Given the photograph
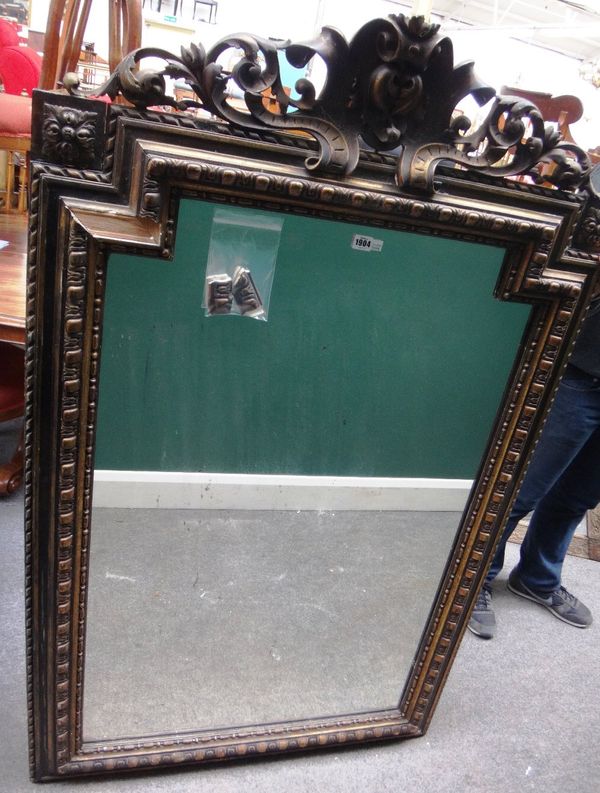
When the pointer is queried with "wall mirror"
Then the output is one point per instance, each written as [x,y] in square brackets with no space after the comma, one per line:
[287,359]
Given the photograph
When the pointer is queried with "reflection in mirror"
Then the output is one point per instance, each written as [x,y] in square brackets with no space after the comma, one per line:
[275,501]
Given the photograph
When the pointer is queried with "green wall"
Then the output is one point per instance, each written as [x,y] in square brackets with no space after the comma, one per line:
[361,369]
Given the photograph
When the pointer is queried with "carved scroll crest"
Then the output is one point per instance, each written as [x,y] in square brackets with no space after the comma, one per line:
[393,87]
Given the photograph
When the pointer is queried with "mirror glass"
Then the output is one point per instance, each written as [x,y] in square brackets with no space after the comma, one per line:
[291,414]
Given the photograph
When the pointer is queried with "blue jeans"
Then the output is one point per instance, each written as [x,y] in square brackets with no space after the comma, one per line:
[560,485]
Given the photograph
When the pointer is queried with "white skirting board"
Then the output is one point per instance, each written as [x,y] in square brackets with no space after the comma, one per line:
[181,490]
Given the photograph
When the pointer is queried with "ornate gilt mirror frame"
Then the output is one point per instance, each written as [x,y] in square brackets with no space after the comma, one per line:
[377,145]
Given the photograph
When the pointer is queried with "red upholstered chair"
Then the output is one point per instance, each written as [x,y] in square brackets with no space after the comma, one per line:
[20,69]
[12,388]
[20,66]
[8,34]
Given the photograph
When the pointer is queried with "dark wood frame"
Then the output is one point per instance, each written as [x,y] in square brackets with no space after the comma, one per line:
[117,189]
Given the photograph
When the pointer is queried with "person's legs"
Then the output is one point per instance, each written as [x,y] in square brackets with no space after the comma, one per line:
[498,560]
[556,518]
[573,420]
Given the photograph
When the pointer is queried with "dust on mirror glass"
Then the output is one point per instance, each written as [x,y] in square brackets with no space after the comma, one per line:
[291,415]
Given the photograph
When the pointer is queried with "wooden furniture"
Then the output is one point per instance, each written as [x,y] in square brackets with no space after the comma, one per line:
[176,4]
[593,534]
[212,13]
[178,7]
[65,30]
[12,339]
[565,109]
[586,546]
[15,139]
[16,148]
[13,260]
[11,407]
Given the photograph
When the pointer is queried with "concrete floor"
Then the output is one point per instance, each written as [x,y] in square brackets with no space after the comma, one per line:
[266,615]
[518,713]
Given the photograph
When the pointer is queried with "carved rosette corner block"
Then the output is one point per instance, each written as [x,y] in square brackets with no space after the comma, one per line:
[69,136]
[588,237]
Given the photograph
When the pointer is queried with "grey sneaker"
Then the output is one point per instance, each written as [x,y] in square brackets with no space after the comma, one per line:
[483,619]
[561,603]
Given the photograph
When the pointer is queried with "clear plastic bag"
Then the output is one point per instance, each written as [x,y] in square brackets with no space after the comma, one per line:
[241,263]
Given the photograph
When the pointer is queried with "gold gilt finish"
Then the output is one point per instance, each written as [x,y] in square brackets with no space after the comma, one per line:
[120,192]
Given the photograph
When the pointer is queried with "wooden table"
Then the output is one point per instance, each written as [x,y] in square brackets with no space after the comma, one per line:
[13,146]
[13,262]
